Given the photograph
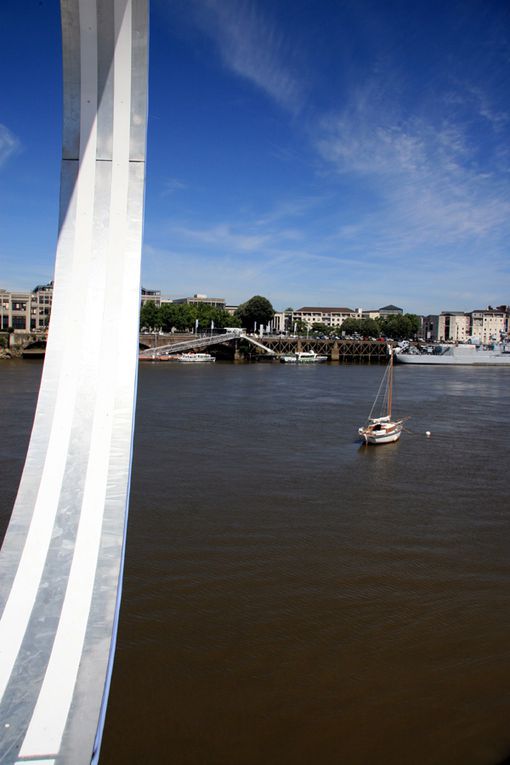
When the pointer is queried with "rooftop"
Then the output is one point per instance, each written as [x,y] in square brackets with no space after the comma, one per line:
[322,309]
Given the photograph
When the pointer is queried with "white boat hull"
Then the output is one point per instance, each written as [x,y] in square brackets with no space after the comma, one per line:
[303,358]
[387,433]
[196,358]
[377,438]
[458,356]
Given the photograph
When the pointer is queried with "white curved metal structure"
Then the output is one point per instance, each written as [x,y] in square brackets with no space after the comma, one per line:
[62,558]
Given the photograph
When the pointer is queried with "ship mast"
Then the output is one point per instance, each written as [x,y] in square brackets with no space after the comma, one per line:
[390,381]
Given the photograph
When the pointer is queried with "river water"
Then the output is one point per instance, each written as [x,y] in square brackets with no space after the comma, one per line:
[292,598]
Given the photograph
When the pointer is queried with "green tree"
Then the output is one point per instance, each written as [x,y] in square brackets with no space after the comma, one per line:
[149,315]
[301,326]
[185,318]
[415,323]
[351,326]
[321,329]
[206,314]
[257,309]
[168,313]
[223,319]
[400,327]
[369,328]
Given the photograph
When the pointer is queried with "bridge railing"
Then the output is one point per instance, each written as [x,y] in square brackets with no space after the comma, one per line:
[337,350]
[187,345]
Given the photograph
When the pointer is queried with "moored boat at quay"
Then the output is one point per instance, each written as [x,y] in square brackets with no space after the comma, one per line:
[303,357]
[195,357]
[159,357]
[467,354]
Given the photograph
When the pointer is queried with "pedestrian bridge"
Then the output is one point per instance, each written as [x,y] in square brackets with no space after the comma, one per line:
[363,351]
[205,341]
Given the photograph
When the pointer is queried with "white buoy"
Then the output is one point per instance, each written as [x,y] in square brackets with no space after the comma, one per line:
[427,433]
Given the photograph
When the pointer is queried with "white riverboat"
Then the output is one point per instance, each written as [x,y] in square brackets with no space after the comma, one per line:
[196,357]
[467,354]
[303,357]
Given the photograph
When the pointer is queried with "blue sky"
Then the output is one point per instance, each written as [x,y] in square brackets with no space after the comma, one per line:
[317,152]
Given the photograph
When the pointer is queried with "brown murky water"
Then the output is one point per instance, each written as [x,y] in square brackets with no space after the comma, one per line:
[291,598]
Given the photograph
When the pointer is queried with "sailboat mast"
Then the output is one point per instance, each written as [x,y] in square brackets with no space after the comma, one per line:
[390,382]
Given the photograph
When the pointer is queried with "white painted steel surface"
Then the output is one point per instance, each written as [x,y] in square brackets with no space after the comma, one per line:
[61,562]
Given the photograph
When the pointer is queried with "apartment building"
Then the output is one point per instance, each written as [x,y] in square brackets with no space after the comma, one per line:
[26,311]
[331,317]
[384,312]
[198,299]
[485,325]
[151,296]
[490,324]
[453,326]
[390,310]
[429,329]
[158,299]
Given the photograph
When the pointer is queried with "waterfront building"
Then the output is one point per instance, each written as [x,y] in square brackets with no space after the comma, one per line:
[429,327]
[283,321]
[26,311]
[370,313]
[486,325]
[331,317]
[148,296]
[158,299]
[454,326]
[490,324]
[198,299]
[378,313]
[390,310]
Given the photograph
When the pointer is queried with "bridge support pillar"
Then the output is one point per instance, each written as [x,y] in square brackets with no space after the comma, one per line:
[62,557]
[335,352]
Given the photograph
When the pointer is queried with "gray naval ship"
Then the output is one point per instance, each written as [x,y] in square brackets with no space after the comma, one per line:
[467,354]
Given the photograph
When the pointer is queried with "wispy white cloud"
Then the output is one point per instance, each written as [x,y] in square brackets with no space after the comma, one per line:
[425,180]
[473,97]
[367,259]
[251,46]
[9,144]
[171,186]
[180,270]
[402,193]
[222,236]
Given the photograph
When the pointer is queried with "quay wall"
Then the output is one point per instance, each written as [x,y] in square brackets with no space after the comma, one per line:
[370,351]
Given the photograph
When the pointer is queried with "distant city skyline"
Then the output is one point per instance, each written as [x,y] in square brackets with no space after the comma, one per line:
[187,295]
[317,153]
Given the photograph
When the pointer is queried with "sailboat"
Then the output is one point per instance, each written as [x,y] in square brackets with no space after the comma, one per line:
[383,429]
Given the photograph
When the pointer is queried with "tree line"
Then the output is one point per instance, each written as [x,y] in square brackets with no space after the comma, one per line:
[182,317]
[258,311]
[397,327]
